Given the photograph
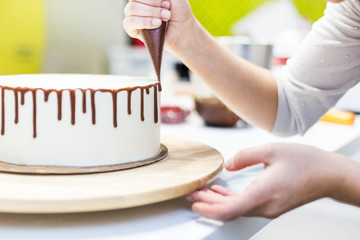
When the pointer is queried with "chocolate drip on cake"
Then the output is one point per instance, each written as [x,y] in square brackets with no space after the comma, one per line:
[93,110]
[46,95]
[156,114]
[72,96]
[16,96]
[59,101]
[142,104]
[72,105]
[83,100]
[22,94]
[129,101]
[34,112]
[114,96]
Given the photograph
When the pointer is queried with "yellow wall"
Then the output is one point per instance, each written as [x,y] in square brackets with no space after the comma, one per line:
[218,16]
[21,36]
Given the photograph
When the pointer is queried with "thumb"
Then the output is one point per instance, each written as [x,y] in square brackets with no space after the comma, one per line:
[249,157]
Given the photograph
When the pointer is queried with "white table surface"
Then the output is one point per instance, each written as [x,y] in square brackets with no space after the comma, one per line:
[173,219]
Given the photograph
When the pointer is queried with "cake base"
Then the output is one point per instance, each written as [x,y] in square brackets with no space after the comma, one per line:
[48,170]
[189,166]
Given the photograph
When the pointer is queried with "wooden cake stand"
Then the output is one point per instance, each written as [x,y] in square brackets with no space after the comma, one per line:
[188,166]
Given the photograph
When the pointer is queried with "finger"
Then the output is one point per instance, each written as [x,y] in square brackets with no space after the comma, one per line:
[221,190]
[206,196]
[249,157]
[138,9]
[215,211]
[133,24]
[189,197]
[166,4]
[230,206]
[153,3]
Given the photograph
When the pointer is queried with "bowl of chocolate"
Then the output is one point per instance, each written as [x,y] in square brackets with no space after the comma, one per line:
[215,113]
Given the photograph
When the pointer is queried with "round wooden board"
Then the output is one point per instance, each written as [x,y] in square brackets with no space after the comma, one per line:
[188,166]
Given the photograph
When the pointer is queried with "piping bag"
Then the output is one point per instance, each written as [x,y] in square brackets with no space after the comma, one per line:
[154,41]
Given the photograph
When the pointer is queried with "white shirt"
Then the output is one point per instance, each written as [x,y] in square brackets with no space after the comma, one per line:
[323,68]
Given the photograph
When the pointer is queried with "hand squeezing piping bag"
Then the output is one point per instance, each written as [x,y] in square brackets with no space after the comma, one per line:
[154,41]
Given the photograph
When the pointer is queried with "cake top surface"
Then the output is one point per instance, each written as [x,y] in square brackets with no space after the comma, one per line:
[74,81]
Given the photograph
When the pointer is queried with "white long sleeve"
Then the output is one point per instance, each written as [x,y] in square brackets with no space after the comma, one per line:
[324,67]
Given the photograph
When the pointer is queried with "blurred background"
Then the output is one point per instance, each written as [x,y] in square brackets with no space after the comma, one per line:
[78,36]
[86,36]
[59,35]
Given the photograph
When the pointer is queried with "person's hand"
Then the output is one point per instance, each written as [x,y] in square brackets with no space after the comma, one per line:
[148,14]
[293,175]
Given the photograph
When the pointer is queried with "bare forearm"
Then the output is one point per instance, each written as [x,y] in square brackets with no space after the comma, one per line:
[347,186]
[250,91]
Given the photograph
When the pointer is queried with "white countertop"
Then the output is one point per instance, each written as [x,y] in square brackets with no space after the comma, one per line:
[174,220]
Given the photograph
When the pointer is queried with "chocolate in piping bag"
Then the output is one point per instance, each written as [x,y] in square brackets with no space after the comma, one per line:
[154,41]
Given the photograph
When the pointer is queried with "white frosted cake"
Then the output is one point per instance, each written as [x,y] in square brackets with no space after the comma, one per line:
[78,120]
